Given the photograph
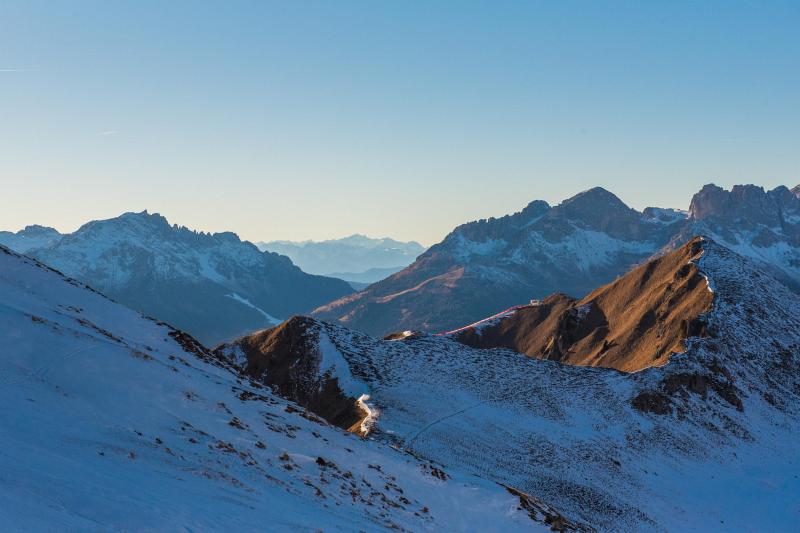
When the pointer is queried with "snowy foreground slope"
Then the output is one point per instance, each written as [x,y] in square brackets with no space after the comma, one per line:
[706,442]
[113,421]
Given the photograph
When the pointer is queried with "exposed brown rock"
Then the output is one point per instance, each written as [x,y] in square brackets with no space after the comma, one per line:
[541,512]
[635,322]
[287,359]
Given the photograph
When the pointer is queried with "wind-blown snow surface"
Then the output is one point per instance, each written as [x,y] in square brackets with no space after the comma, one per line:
[707,442]
[110,423]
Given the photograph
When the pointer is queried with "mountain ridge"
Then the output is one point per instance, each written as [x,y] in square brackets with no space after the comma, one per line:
[573,247]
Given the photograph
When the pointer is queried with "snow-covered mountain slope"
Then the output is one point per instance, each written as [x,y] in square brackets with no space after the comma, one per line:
[29,238]
[214,286]
[112,421]
[637,321]
[584,242]
[492,264]
[353,256]
[706,442]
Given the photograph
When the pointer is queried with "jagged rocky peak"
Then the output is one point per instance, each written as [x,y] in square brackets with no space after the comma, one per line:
[796,190]
[145,224]
[138,223]
[744,205]
[595,209]
[493,228]
[155,219]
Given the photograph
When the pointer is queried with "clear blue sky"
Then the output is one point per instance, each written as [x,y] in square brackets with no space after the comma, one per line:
[298,120]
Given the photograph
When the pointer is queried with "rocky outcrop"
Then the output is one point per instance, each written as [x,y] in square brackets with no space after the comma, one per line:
[747,207]
[762,225]
[289,358]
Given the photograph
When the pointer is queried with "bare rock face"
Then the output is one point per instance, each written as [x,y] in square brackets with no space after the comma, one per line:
[745,207]
[762,225]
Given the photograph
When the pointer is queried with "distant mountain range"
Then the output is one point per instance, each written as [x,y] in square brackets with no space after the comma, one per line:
[214,286]
[587,240]
[356,258]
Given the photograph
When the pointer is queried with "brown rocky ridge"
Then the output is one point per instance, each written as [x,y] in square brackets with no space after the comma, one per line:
[635,322]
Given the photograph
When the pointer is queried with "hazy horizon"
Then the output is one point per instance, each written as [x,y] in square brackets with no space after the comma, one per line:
[293,122]
[375,236]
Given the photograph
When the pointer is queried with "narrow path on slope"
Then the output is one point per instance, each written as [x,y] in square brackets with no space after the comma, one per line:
[571,382]
[411,440]
[40,372]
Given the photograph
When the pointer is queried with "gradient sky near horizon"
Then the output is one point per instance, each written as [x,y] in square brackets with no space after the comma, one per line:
[314,120]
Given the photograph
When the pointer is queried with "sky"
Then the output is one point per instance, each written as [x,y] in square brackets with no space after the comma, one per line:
[315,120]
